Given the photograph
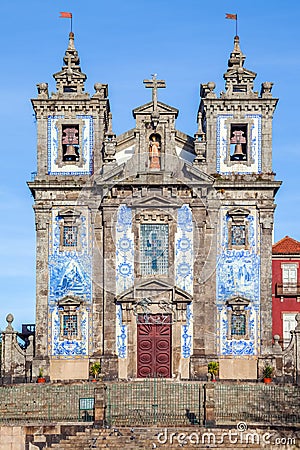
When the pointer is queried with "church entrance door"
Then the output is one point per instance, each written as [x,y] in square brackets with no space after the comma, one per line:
[154,345]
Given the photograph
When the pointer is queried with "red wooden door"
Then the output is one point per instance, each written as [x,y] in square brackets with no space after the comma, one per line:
[154,346]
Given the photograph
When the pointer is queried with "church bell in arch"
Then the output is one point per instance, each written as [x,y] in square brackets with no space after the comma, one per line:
[238,139]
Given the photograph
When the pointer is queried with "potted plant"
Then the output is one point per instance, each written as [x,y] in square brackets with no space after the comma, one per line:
[213,369]
[41,378]
[95,370]
[268,373]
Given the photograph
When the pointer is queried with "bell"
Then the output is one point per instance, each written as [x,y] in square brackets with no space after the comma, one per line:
[238,154]
[238,139]
[71,154]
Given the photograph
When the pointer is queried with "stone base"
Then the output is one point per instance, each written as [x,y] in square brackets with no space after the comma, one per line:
[109,367]
[62,369]
[12,438]
[238,369]
[199,366]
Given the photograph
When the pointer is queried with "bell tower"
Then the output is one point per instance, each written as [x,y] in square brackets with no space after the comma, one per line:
[71,129]
[236,133]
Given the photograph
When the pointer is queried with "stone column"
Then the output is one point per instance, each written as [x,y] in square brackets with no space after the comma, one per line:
[266,220]
[109,359]
[7,350]
[42,216]
[13,357]
[209,405]
[100,404]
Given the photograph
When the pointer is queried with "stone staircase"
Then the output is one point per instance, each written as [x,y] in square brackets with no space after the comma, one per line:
[171,438]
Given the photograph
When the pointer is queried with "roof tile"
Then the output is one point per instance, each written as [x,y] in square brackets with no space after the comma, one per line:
[286,246]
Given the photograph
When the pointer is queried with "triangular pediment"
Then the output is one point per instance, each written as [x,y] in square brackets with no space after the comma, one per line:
[154,287]
[197,174]
[238,212]
[155,201]
[162,108]
[235,72]
[68,212]
[64,74]
[154,284]
[70,300]
[238,300]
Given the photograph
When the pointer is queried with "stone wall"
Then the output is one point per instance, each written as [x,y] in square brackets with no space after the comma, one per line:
[16,362]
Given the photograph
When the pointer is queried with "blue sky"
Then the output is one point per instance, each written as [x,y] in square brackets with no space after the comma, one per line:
[121,43]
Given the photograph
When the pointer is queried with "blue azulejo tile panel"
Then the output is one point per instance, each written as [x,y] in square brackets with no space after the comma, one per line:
[187,333]
[239,347]
[56,164]
[184,253]
[70,348]
[121,334]
[222,141]
[70,277]
[238,275]
[124,250]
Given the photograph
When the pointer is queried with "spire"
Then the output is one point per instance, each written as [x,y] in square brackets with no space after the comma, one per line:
[71,53]
[238,80]
[237,58]
[70,79]
[110,142]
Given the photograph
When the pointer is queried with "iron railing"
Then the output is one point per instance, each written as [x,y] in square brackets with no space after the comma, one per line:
[257,403]
[288,289]
[44,402]
[154,401]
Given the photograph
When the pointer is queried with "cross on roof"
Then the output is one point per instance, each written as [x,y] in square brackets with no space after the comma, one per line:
[154,84]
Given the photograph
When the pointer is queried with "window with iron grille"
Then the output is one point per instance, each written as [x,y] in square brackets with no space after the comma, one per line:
[70,326]
[238,235]
[154,249]
[238,324]
[69,236]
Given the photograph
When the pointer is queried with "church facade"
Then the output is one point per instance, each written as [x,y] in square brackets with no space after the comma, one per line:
[154,248]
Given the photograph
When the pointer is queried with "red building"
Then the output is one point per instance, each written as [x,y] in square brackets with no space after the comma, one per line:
[285,287]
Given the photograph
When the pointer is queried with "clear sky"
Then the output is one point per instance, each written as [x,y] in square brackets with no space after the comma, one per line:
[121,43]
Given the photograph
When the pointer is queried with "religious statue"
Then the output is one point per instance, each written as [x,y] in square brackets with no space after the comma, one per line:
[154,153]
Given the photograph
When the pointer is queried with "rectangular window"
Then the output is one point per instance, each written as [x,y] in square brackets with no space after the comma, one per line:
[69,236]
[70,328]
[289,278]
[238,324]
[238,235]
[289,273]
[289,324]
[154,249]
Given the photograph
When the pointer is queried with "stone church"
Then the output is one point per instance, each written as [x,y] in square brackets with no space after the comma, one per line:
[153,247]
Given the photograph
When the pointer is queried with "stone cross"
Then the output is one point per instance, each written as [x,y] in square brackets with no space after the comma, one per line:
[154,84]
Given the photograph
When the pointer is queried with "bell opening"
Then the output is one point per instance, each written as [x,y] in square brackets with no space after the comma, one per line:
[238,142]
[70,143]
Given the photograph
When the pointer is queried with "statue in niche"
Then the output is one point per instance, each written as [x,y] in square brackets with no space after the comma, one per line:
[154,153]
